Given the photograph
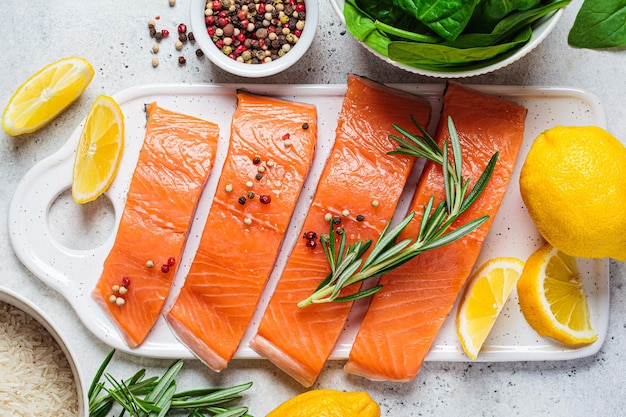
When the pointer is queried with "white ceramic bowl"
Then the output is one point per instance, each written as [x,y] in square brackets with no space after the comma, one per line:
[541,29]
[10,297]
[198,26]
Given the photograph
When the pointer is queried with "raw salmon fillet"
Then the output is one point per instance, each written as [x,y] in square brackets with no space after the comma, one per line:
[235,259]
[174,164]
[404,317]
[358,171]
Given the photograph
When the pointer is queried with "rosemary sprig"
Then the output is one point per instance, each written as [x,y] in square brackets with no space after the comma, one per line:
[155,397]
[346,261]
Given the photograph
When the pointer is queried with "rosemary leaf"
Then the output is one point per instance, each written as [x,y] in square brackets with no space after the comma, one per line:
[481,183]
[346,263]
[360,294]
[386,238]
[96,386]
[155,397]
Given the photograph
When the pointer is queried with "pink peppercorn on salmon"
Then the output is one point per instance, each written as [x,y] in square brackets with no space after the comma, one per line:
[360,185]
[272,145]
[173,166]
[404,317]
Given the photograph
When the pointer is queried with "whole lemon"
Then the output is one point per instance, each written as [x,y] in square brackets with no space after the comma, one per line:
[328,403]
[573,183]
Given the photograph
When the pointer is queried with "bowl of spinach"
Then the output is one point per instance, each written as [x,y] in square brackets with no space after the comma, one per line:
[450,38]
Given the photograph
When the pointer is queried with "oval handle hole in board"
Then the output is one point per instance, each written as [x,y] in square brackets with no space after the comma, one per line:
[81,226]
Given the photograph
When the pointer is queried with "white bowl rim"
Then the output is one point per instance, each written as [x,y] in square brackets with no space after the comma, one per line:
[13,298]
[198,27]
[547,23]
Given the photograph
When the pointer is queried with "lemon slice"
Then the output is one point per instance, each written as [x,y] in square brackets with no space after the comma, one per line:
[483,299]
[45,94]
[99,150]
[552,298]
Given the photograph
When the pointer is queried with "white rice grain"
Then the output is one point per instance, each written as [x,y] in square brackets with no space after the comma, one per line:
[35,376]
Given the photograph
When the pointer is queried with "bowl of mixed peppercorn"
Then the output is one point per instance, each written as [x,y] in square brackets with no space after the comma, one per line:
[254,38]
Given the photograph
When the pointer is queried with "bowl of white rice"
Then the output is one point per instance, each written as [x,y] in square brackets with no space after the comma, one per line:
[38,373]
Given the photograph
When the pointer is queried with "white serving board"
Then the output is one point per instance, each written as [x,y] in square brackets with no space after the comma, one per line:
[65,244]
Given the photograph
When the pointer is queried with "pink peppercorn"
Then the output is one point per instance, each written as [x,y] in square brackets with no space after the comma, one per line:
[216,5]
[299,7]
[171,261]
[240,49]
[182,28]
[165,268]
[311,244]
[209,20]
[210,31]
[165,33]
[126,281]
[265,199]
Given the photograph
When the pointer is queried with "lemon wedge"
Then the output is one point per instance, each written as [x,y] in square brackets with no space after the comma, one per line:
[99,150]
[552,298]
[483,299]
[45,94]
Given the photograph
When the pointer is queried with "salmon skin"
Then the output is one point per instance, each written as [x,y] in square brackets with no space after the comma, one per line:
[173,166]
[405,316]
[272,145]
[360,185]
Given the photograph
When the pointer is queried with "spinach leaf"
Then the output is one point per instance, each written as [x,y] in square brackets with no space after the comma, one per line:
[507,27]
[599,24]
[498,9]
[412,53]
[447,18]
[364,29]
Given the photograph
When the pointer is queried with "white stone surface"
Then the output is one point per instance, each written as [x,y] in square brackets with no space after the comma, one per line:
[113,36]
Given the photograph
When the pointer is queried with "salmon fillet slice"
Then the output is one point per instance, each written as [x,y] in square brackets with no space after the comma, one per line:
[404,317]
[173,166]
[358,172]
[243,233]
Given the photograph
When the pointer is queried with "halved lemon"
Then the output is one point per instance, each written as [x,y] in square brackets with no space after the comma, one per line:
[552,298]
[45,94]
[483,299]
[99,150]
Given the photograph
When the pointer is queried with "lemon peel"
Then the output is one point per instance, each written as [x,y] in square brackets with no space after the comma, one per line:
[328,403]
[573,182]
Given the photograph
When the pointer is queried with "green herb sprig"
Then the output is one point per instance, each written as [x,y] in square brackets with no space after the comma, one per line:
[155,397]
[346,261]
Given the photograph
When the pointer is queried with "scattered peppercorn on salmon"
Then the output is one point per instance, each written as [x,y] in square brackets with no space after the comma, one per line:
[405,316]
[173,166]
[272,145]
[359,179]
